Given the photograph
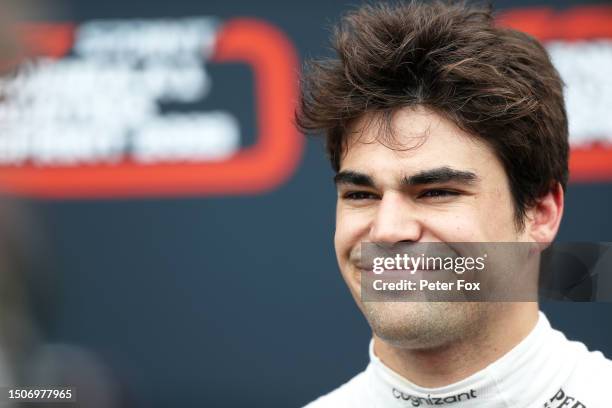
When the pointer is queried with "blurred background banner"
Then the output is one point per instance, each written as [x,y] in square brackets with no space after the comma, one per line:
[109,108]
[157,198]
[579,40]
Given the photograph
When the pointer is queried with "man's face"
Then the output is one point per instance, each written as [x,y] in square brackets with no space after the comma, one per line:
[440,185]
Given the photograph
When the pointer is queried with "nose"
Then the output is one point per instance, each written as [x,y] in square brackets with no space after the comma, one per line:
[396,220]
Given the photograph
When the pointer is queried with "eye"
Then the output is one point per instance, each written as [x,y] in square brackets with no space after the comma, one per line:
[359,195]
[438,193]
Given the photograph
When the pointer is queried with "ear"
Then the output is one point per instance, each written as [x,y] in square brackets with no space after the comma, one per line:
[543,219]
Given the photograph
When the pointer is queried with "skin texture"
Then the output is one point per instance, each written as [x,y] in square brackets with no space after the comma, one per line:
[382,198]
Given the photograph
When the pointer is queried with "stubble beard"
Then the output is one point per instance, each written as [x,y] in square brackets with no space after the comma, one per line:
[424,325]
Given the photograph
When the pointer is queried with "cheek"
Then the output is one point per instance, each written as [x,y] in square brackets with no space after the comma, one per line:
[457,227]
[472,220]
[342,237]
[486,218]
[351,229]
[499,219]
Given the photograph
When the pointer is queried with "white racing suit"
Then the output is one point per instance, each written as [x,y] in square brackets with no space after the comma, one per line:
[545,370]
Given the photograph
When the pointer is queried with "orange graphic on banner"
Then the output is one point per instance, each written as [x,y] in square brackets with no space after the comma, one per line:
[577,24]
[258,168]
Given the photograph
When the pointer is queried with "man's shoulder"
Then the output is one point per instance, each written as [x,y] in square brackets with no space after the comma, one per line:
[589,381]
[594,367]
[350,394]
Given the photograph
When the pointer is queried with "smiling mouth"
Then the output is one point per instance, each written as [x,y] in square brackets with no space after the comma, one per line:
[370,269]
[407,262]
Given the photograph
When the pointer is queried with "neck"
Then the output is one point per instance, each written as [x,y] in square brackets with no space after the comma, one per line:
[453,362]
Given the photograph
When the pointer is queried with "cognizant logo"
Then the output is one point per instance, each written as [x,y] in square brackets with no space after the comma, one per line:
[429,400]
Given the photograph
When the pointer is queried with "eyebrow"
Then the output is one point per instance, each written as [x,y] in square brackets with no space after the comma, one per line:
[441,175]
[353,177]
[431,176]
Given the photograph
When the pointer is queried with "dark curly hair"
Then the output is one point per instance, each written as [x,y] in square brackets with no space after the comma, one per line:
[495,83]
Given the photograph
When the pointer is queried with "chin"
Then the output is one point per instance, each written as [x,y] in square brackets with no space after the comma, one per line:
[423,325]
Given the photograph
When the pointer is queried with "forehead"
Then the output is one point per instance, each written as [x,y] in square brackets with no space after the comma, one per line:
[414,140]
